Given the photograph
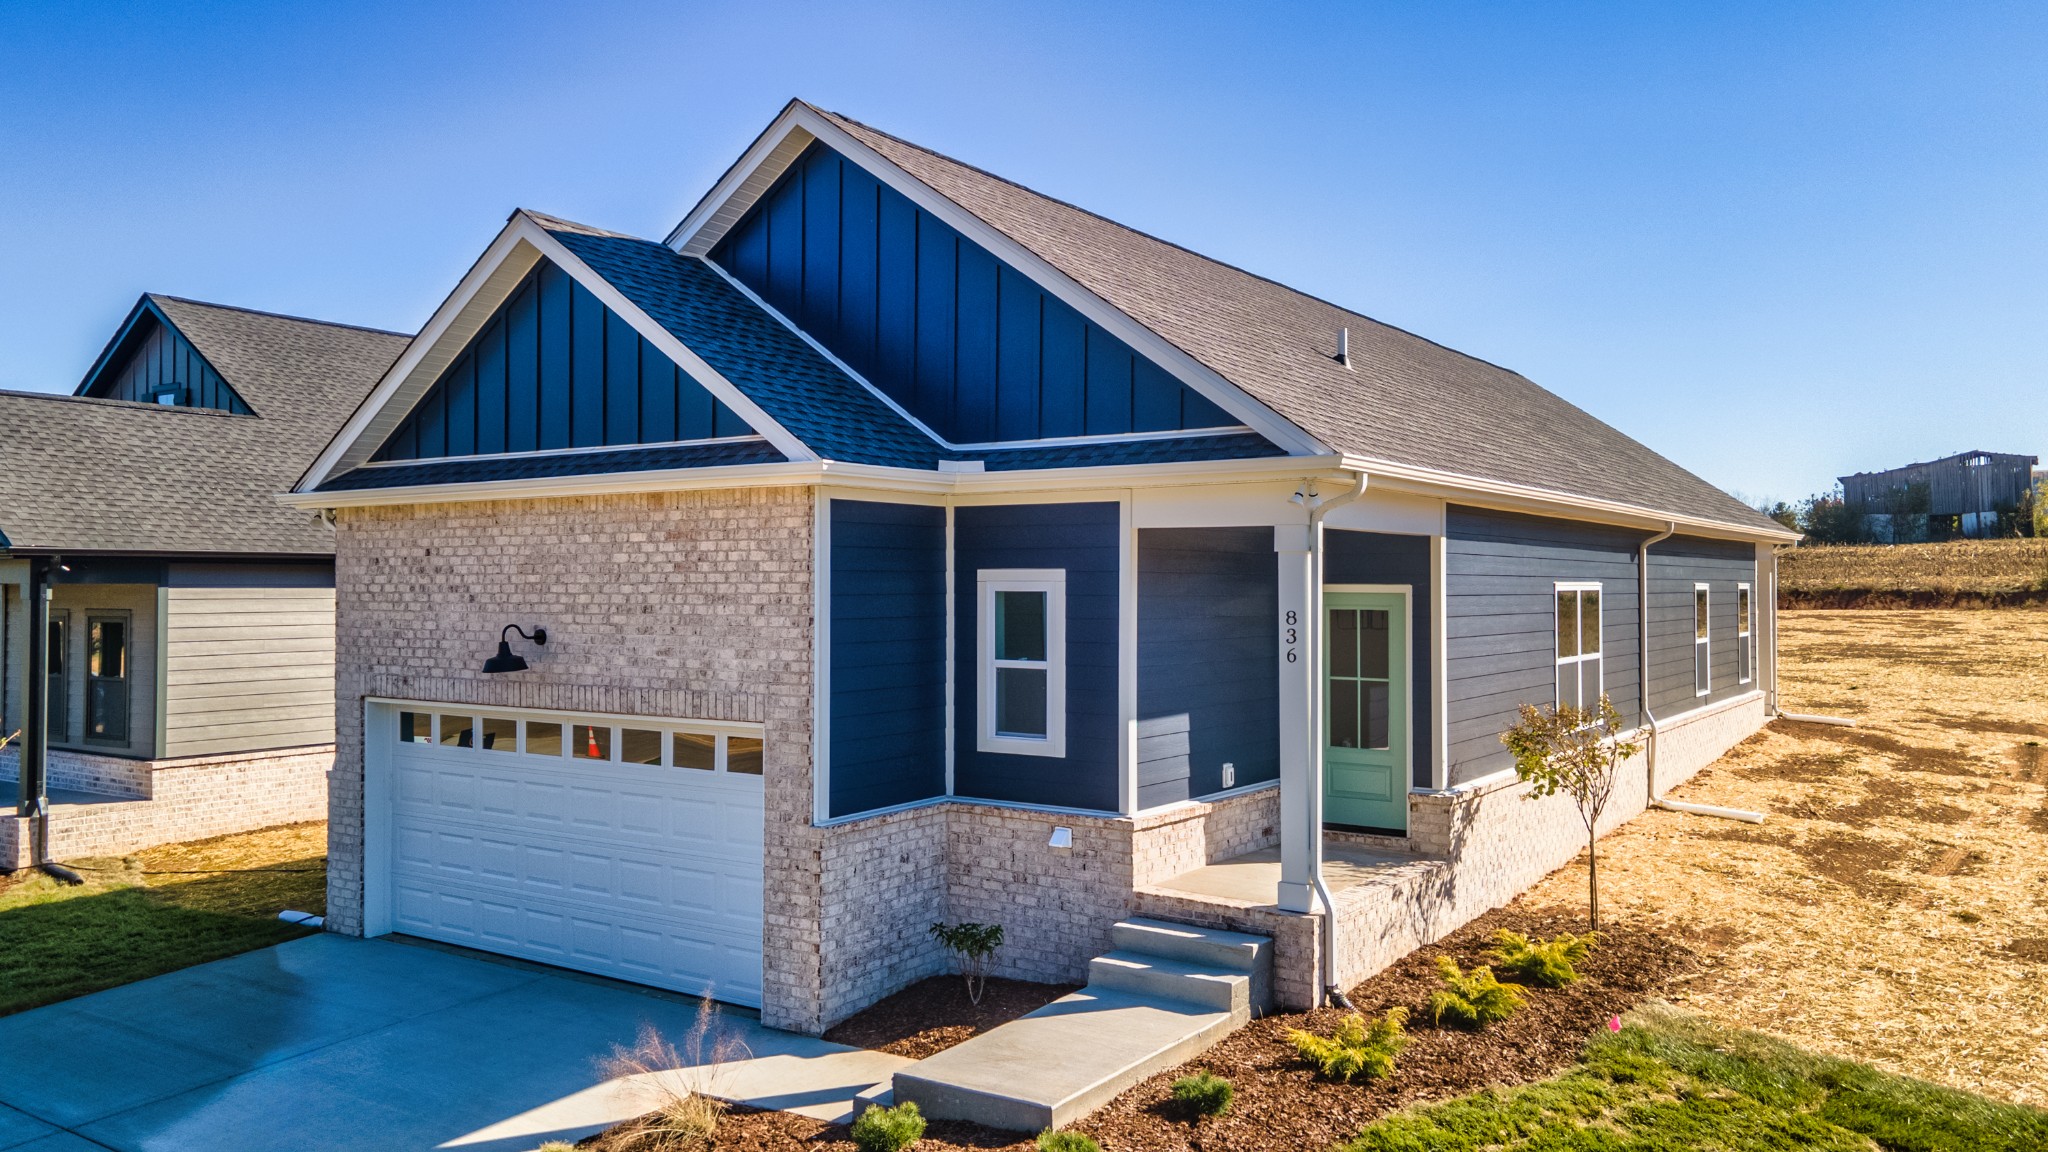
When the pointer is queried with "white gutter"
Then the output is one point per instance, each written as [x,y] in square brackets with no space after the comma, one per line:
[1649,715]
[1318,507]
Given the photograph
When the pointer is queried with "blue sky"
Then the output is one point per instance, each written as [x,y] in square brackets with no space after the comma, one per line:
[1774,241]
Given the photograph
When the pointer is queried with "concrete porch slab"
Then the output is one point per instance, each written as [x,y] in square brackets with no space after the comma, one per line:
[1253,879]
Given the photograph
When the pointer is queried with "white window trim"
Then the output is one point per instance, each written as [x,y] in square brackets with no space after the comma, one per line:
[1703,670]
[1052,582]
[1561,659]
[1745,634]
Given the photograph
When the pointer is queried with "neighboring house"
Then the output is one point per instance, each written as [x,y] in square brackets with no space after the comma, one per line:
[1965,494]
[913,547]
[188,627]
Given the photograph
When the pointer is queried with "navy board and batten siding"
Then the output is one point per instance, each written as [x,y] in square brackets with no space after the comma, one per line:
[554,368]
[1082,540]
[1208,674]
[1388,558]
[888,660]
[153,354]
[966,343]
[1500,570]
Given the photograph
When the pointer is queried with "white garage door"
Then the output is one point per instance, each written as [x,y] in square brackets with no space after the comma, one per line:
[628,848]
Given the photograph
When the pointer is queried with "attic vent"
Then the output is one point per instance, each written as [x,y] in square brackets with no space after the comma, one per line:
[1344,347]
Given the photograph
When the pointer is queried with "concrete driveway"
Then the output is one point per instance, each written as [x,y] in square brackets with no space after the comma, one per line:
[365,1045]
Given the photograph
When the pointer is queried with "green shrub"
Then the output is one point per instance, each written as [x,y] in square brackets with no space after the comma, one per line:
[975,945]
[1355,1050]
[1051,1141]
[1548,963]
[1206,1093]
[1471,999]
[888,1129]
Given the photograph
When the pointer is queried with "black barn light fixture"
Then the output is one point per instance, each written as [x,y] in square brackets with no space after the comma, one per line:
[507,660]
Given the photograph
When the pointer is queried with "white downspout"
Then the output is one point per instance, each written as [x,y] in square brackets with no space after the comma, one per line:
[1318,507]
[1649,715]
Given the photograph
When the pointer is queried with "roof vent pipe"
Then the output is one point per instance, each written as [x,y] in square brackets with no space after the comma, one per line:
[1344,347]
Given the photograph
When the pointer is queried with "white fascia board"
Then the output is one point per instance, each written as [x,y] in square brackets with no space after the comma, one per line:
[485,286]
[1507,497]
[774,151]
[853,477]
[703,373]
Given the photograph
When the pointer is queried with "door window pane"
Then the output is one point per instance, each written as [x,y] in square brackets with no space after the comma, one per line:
[1344,719]
[1020,701]
[1344,642]
[1589,621]
[743,755]
[639,746]
[458,730]
[416,727]
[1567,624]
[500,734]
[1372,645]
[1020,626]
[1377,697]
[591,741]
[543,738]
[696,750]
[106,680]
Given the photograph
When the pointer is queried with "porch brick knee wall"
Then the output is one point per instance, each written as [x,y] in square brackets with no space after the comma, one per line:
[189,798]
[85,772]
[692,605]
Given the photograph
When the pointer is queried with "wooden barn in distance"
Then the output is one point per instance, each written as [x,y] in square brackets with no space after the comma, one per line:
[1973,487]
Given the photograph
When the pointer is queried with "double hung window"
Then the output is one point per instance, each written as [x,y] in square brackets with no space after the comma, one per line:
[1021,651]
[1702,673]
[1745,644]
[1578,646]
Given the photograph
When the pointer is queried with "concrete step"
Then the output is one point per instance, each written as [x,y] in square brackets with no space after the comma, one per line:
[1205,947]
[1058,1064]
[1157,977]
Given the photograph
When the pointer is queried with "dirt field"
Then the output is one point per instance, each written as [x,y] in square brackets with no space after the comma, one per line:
[1894,906]
[1955,573]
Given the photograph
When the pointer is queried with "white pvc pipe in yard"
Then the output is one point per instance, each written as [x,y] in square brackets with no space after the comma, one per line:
[1810,718]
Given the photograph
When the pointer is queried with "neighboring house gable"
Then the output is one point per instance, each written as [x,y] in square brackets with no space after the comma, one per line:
[150,362]
[554,368]
[961,340]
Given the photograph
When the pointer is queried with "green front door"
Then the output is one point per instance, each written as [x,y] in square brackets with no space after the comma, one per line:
[1365,710]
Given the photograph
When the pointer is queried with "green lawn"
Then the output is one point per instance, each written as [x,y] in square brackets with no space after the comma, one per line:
[1673,1083]
[153,912]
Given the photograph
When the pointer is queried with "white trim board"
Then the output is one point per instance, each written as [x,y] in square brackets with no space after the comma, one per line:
[777,147]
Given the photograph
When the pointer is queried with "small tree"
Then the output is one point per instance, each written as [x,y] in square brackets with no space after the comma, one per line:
[975,945]
[1579,752]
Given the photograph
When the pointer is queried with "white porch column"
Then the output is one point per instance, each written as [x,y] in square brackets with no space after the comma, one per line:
[1301,794]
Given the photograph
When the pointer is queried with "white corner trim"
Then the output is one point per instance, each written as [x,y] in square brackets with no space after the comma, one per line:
[707,223]
[703,373]
[821,656]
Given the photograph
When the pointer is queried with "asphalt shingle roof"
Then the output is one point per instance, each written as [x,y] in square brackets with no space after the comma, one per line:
[90,475]
[1406,401]
[533,467]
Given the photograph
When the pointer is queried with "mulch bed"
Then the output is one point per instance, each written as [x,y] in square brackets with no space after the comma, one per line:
[933,1015]
[1280,1105]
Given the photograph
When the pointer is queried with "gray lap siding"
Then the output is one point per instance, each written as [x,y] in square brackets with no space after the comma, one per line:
[1501,652]
[1500,572]
[1208,679]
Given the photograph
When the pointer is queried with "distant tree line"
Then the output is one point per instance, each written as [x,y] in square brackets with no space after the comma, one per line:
[1902,516]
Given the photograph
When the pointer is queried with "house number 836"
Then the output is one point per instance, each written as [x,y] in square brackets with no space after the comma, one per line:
[1293,634]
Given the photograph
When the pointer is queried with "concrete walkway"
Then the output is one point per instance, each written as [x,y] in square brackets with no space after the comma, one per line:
[333,1043]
